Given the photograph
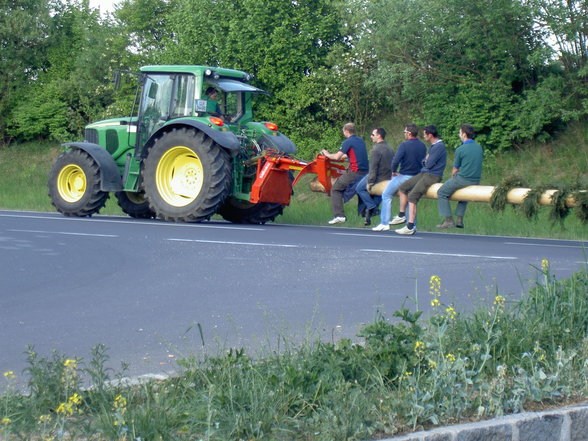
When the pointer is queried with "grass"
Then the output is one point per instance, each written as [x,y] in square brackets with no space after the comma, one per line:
[404,375]
[24,170]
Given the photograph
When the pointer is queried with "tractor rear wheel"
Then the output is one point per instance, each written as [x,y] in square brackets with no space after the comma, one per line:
[74,184]
[186,176]
[243,212]
[134,204]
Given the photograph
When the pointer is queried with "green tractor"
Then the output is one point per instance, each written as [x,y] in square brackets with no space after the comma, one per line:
[183,158]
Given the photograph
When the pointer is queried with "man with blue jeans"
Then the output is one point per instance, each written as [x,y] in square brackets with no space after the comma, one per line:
[409,157]
[467,170]
[411,191]
[380,162]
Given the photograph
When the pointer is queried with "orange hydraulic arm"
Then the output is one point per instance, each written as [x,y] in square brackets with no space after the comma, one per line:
[273,183]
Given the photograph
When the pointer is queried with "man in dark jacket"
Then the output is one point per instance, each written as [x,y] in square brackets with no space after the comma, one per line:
[380,170]
[409,160]
[412,190]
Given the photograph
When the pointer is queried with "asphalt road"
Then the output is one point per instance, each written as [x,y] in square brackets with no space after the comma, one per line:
[145,288]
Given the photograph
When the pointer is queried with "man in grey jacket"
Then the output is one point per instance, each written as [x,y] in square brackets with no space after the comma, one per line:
[380,170]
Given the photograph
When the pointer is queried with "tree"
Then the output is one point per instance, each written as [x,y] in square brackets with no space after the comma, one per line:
[23,41]
[462,61]
[82,50]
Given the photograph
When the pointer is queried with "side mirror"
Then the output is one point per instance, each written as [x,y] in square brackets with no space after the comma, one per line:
[116,80]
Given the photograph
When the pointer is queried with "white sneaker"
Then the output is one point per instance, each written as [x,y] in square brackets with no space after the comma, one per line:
[381,227]
[405,231]
[398,220]
[337,220]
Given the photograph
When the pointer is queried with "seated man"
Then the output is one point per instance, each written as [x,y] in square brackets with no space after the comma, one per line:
[409,158]
[380,170]
[467,170]
[353,148]
[412,190]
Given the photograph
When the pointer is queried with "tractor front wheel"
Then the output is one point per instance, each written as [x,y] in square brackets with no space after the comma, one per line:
[74,184]
[186,176]
[134,204]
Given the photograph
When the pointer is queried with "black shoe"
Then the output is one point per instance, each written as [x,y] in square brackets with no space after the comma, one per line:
[368,215]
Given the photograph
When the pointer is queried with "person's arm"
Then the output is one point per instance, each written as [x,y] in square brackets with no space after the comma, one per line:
[396,159]
[433,157]
[339,156]
[375,159]
[456,162]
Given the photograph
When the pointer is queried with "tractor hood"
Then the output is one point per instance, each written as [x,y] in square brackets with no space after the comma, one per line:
[227,85]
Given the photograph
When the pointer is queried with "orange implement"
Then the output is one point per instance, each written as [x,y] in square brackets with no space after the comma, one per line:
[272,183]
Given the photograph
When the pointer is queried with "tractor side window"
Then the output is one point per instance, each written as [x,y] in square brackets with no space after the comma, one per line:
[155,103]
[164,96]
[183,96]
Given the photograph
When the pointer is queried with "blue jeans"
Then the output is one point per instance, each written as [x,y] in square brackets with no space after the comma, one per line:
[387,196]
[369,201]
[446,190]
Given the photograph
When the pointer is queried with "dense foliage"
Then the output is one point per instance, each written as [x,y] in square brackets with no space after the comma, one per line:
[515,69]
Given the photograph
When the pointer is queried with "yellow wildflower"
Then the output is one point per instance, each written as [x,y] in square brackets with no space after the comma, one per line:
[432,364]
[6,420]
[450,358]
[435,302]
[451,312]
[406,375]
[70,363]
[44,418]
[544,265]
[120,402]
[65,409]
[499,300]
[435,286]
[419,346]
[9,374]
[75,399]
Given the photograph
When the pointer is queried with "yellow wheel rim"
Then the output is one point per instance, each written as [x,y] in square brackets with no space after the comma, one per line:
[71,183]
[179,176]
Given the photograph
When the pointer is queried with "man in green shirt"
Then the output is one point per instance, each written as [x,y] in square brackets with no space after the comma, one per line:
[467,170]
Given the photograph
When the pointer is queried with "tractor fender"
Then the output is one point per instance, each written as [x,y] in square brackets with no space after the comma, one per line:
[279,142]
[225,139]
[110,178]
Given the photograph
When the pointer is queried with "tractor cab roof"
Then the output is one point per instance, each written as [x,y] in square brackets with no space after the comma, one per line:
[227,80]
[228,85]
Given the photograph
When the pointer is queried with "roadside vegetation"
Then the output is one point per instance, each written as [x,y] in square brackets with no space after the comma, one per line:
[403,375]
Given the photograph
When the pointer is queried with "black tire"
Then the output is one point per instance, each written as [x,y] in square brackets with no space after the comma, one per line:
[74,184]
[135,204]
[242,212]
[186,176]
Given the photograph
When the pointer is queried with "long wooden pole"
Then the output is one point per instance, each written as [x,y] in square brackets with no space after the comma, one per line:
[473,193]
